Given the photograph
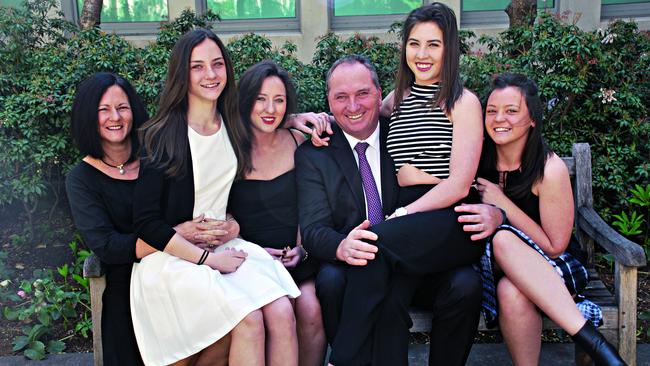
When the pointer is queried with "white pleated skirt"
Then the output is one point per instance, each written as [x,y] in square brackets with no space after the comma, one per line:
[180,308]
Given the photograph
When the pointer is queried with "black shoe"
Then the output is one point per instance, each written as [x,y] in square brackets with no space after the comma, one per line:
[596,346]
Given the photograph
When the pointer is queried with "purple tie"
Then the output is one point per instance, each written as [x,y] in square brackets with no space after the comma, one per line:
[373,201]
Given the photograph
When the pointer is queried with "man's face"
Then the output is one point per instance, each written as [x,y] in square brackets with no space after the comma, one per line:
[354,99]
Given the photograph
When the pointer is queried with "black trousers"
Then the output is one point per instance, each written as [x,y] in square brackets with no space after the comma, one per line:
[454,297]
[412,245]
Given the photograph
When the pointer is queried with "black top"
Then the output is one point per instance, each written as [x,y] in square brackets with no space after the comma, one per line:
[266,210]
[267,213]
[102,209]
[528,203]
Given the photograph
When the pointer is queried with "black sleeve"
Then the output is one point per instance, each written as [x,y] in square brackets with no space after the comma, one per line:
[314,211]
[91,218]
[148,218]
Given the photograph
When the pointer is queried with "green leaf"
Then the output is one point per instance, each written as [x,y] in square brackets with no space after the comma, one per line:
[63,270]
[55,346]
[20,342]
[35,352]
[10,314]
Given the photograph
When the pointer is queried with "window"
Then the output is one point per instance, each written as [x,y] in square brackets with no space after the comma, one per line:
[624,9]
[253,15]
[11,3]
[125,17]
[355,14]
[483,12]
[128,11]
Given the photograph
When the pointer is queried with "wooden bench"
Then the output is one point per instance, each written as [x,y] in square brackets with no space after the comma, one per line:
[619,309]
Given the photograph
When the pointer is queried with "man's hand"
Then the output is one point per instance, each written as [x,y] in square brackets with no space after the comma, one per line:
[481,219]
[353,250]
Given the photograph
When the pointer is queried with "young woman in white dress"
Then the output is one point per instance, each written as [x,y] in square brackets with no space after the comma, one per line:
[186,298]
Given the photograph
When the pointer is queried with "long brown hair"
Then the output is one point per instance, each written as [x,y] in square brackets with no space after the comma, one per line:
[165,135]
[451,87]
[249,88]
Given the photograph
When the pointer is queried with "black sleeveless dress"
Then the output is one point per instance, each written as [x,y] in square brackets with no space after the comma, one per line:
[267,213]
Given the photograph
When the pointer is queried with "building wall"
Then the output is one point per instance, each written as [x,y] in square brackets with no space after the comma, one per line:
[315,19]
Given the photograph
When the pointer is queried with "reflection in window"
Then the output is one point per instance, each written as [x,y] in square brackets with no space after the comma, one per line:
[11,3]
[493,5]
[118,11]
[253,9]
[374,7]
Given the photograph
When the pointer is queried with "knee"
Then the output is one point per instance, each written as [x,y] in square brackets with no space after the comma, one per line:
[330,283]
[279,315]
[511,299]
[309,312]
[251,327]
[465,286]
[501,242]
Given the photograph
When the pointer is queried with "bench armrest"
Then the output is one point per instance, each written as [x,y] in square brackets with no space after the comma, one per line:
[624,251]
[93,267]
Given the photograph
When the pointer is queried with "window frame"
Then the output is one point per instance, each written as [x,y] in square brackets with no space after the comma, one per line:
[253,25]
[362,22]
[637,10]
[72,13]
[469,19]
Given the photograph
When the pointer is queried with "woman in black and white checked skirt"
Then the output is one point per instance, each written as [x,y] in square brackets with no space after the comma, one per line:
[522,176]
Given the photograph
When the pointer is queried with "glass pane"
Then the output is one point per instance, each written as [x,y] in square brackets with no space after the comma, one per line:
[12,3]
[611,2]
[115,11]
[491,5]
[253,9]
[374,7]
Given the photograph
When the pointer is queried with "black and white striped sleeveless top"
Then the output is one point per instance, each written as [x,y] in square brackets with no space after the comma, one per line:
[420,135]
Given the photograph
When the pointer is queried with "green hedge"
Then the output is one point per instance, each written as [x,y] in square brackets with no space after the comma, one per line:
[44,59]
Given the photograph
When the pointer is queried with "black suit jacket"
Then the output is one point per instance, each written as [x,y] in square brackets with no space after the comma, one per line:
[330,192]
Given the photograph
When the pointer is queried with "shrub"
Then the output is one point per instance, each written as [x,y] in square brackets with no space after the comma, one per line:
[595,85]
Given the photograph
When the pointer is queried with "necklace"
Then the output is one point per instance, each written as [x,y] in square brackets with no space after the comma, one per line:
[119,167]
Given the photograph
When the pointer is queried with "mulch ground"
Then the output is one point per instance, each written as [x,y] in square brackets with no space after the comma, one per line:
[50,249]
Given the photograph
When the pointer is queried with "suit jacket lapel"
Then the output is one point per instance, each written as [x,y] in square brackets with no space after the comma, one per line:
[344,157]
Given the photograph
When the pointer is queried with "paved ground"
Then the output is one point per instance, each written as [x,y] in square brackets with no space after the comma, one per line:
[481,355]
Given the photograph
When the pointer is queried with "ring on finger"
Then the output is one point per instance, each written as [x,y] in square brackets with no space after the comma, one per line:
[211,246]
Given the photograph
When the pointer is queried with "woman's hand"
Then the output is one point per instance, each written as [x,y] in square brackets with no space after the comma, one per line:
[226,261]
[293,257]
[142,249]
[408,175]
[491,193]
[313,124]
[213,232]
[275,253]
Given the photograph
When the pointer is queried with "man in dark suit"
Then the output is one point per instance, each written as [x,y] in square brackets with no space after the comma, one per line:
[338,200]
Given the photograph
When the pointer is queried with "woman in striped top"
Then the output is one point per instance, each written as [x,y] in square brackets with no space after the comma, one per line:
[435,138]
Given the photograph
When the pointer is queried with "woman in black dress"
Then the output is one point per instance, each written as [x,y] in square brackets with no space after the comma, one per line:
[105,116]
[264,200]
[534,273]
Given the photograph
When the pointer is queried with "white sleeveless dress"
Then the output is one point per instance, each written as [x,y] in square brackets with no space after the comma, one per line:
[180,308]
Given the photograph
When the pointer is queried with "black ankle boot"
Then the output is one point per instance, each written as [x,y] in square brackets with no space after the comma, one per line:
[596,346]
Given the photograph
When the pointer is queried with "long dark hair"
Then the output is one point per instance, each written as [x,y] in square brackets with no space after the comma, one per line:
[84,123]
[536,151]
[451,87]
[250,84]
[164,137]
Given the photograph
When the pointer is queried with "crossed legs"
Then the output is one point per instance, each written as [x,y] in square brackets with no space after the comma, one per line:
[530,283]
